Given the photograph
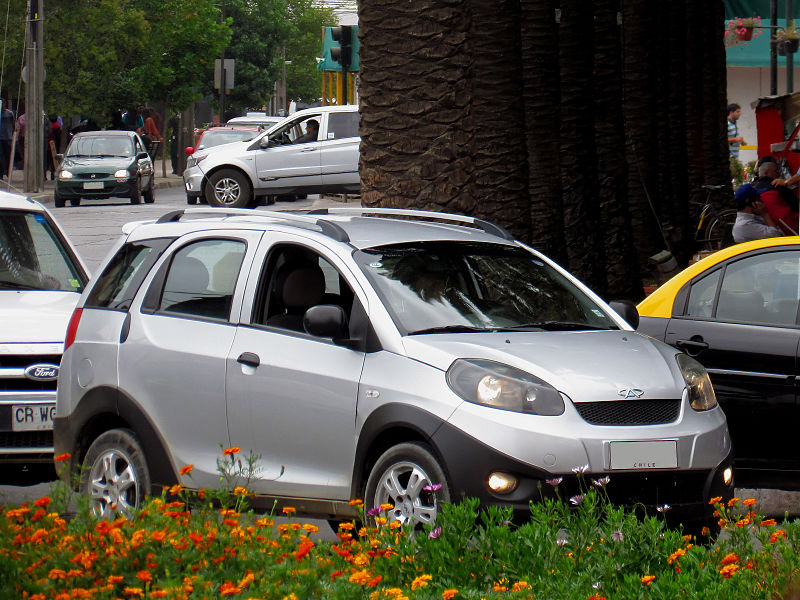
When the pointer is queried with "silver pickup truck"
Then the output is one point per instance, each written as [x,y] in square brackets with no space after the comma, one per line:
[288,158]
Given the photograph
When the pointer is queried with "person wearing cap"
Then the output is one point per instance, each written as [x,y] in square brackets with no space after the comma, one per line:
[753,221]
[781,202]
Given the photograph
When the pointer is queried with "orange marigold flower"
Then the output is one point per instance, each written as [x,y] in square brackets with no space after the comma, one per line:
[240,491]
[201,494]
[705,531]
[303,550]
[158,593]
[133,591]
[749,501]
[247,579]
[776,535]
[733,501]
[715,499]
[676,555]
[114,579]
[768,522]
[175,489]
[729,559]
[231,450]
[374,581]
[62,457]
[648,579]
[420,582]
[742,522]
[186,469]
[309,528]
[336,574]
[289,510]
[229,589]
[356,502]
[144,576]
[728,571]
[519,586]
[265,522]
[346,525]
[57,574]
[449,593]
[361,577]
[386,506]
[42,502]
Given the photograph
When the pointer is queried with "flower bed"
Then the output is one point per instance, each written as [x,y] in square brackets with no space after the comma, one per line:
[582,548]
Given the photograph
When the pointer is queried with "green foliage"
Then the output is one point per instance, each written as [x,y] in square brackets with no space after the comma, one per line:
[303,80]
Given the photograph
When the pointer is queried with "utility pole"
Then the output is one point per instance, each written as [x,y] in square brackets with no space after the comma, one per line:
[34,97]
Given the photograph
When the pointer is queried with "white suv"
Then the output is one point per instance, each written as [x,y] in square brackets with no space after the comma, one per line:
[281,161]
[41,279]
[398,356]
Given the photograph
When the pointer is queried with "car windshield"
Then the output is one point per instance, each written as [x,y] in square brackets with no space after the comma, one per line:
[33,256]
[216,138]
[96,145]
[432,287]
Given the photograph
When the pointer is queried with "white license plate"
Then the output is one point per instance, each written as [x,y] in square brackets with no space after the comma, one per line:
[32,417]
[662,454]
[93,185]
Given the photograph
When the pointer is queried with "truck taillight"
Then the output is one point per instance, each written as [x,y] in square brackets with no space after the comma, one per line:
[72,328]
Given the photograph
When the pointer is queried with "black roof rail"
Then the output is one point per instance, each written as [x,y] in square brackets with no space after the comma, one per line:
[486,226]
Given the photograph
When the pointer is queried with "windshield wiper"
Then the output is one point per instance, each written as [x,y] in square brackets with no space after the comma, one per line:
[555,326]
[15,285]
[452,329]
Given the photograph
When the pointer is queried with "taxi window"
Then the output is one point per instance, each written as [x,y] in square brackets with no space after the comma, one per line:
[701,296]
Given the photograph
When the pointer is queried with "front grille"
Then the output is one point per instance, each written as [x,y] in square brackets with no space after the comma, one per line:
[26,439]
[16,382]
[27,385]
[26,360]
[96,176]
[629,412]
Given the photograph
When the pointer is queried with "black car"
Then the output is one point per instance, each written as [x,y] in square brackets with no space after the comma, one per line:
[104,164]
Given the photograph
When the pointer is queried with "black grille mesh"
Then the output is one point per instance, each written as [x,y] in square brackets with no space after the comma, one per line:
[26,439]
[629,412]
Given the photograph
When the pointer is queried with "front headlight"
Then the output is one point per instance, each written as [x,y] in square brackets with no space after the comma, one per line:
[194,160]
[64,174]
[500,386]
[701,392]
[122,174]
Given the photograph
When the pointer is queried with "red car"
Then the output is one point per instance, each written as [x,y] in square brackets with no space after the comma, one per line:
[224,134]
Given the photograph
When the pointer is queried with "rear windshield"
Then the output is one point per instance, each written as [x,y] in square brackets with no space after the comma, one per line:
[120,280]
[432,287]
[33,256]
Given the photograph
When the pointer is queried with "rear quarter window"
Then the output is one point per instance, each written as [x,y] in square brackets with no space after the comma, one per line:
[342,125]
[120,280]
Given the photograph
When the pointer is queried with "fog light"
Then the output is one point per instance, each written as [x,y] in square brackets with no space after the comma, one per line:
[727,476]
[502,483]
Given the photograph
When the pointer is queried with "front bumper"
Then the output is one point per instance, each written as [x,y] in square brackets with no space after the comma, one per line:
[469,463]
[111,187]
[193,181]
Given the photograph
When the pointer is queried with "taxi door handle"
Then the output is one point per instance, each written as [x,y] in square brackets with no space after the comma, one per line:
[249,358]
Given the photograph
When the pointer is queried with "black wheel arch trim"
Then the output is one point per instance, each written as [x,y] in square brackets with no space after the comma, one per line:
[213,170]
[109,402]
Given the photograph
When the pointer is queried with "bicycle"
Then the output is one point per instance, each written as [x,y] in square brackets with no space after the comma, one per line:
[714,227]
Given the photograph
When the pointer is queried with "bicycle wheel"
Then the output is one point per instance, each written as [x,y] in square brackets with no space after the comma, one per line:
[718,233]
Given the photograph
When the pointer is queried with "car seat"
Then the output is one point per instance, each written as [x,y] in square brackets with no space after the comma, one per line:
[745,306]
[298,287]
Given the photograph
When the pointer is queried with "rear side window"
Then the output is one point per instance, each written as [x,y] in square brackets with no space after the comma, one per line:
[202,278]
[120,280]
[342,125]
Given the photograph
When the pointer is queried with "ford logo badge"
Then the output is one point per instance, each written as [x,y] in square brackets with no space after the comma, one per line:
[42,372]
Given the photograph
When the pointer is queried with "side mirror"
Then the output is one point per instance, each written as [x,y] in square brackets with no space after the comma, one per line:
[188,150]
[627,310]
[327,320]
[142,156]
[265,143]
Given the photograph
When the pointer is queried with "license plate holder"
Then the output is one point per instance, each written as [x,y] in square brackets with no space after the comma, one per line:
[32,417]
[645,455]
[93,185]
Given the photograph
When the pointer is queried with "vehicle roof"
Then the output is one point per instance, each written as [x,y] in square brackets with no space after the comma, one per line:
[19,202]
[104,132]
[358,231]
[659,303]
[234,127]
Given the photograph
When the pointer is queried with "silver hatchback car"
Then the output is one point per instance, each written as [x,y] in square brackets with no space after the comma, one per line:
[410,361]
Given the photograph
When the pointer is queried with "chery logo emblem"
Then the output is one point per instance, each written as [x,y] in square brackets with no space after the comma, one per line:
[631,393]
[42,372]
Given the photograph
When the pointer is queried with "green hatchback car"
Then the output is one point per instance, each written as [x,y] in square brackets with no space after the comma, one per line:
[104,164]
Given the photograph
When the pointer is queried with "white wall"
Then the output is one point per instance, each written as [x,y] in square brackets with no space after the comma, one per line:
[745,86]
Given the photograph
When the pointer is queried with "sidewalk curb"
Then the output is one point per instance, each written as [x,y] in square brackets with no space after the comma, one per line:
[45,196]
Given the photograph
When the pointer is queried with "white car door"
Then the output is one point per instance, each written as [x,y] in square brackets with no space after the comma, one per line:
[340,149]
[285,164]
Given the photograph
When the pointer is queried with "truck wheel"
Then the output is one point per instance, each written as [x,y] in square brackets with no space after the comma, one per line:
[228,189]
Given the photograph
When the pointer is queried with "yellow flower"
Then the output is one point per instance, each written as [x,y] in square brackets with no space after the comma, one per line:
[360,577]
[420,582]
[447,594]
[648,579]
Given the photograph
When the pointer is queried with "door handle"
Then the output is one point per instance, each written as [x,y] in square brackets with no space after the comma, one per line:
[249,358]
[309,150]
[693,346]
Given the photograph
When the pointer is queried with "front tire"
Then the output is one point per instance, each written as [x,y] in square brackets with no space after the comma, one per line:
[400,476]
[75,202]
[59,200]
[136,192]
[228,189]
[115,475]
[150,193]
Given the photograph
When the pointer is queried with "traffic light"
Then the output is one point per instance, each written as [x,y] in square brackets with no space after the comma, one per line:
[343,53]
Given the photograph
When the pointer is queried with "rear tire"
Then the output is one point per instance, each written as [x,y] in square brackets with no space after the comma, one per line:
[399,478]
[59,200]
[136,192]
[115,476]
[228,189]
[191,200]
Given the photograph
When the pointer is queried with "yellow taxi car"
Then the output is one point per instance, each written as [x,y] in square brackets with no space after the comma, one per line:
[736,312]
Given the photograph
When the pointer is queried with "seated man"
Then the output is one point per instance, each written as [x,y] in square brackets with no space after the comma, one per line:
[753,221]
[311,134]
[780,202]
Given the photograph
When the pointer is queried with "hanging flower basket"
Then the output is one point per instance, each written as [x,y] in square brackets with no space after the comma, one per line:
[788,46]
[745,34]
[741,30]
